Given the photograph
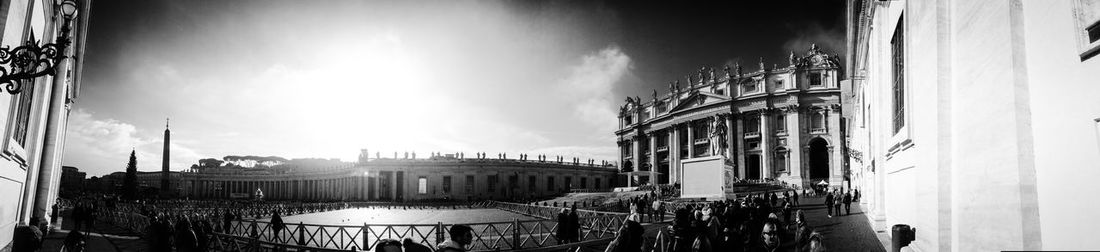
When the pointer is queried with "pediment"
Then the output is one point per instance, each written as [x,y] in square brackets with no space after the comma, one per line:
[698,99]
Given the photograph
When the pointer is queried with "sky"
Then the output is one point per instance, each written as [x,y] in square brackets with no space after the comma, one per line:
[324,79]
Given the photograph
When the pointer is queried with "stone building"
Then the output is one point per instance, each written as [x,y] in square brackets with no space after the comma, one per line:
[976,122]
[404,179]
[778,123]
[36,109]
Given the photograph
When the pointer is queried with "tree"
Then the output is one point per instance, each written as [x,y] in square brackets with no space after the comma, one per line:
[129,183]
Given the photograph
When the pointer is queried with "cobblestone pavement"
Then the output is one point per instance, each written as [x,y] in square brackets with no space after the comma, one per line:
[849,232]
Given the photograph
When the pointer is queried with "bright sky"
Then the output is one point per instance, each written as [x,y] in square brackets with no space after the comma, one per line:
[324,79]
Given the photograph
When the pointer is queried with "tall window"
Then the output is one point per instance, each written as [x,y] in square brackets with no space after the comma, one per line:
[422,185]
[550,184]
[469,184]
[584,183]
[781,160]
[493,180]
[568,183]
[781,123]
[446,184]
[897,50]
[597,183]
[531,184]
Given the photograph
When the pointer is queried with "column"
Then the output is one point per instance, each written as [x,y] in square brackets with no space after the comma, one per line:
[636,150]
[767,170]
[794,145]
[673,154]
[730,143]
[739,138]
[691,139]
[836,155]
[653,158]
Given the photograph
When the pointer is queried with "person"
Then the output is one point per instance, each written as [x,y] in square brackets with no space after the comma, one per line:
[855,195]
[388,245]
[574,224]
[654,211]
[185,237]
[227,222]
[277,224]
[74,242]
[802,230]
[563,226]
[794,196]
[848,203]
[816,243]
[629,237]
[829,204]
[787,212]
[27,238]
[837,198]
[78,216]
[461,236]
[411,246]
[769,238]
[53,213]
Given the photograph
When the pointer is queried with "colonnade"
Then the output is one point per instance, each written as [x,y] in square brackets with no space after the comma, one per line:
[363,187]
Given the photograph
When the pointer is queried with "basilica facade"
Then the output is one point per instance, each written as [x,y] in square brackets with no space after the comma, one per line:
[778,123]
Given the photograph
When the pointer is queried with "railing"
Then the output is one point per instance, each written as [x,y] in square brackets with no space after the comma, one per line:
[818,131]
[701,141]
[752,134]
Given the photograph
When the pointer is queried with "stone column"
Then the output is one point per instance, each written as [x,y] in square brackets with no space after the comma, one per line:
[836,155]
[739,138]
[691,139]
[653,158]
[767,170]
[636,152]
[673,155]
[794,145]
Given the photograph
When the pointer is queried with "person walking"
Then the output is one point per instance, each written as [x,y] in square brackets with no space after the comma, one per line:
[574,224]
[563,226]
[794,196]
[848,203]
[277,224]
[829,204]
[837,198]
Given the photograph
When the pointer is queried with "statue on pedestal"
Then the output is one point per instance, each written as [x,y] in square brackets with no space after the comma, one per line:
[718,136]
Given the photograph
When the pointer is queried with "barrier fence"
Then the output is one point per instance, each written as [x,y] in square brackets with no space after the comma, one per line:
[596,228]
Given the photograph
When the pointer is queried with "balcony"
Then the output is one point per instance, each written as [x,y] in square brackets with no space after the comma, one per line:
[701,141]
[752,134]
[662,149]
[818,131]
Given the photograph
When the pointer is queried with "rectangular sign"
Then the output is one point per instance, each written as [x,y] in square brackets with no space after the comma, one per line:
[705,177]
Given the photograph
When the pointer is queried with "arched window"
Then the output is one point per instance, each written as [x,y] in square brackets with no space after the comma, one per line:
[781,123]
[818,120]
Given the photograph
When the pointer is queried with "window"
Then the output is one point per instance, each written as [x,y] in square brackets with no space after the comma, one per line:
[817,120]
[752,145]
[781,123]
[568,183]
[550,184]
[469,184]
[815,79]
[597,183]
[584,183]
[446,184]
[1087,17]
[493,180]
[422,185]
[781,160]
[628,120]
[752,124]
[779,85]
[897,50]
[531,183]
[750,87]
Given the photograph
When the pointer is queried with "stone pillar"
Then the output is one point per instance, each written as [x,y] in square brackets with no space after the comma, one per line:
[739,138]
[691,139]
[673,155]
[767,170]
[636,152]
[794,146]
[836,155]
[653,158]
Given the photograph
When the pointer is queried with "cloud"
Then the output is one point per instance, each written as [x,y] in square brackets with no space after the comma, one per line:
[589,85]
[102,146]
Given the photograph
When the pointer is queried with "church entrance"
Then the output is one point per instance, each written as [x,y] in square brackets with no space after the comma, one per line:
[819,159]
[752,166]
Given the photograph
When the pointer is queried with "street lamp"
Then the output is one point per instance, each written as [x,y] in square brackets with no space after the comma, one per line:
[31,60]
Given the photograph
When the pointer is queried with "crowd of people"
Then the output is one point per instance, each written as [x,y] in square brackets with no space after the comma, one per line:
[761,222]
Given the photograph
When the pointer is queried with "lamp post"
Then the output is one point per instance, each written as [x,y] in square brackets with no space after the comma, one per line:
[31,60]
